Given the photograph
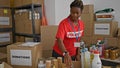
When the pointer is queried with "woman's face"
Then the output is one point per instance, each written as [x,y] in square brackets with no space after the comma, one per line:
[75,13]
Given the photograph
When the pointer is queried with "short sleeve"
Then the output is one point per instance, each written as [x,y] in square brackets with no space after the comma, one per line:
[61,31]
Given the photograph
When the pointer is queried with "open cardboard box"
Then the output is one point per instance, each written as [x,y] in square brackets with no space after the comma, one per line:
[5,65]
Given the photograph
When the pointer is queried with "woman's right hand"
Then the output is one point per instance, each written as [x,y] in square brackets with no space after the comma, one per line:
[68,60]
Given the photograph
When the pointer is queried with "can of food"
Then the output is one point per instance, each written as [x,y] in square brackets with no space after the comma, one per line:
[112,54]
[106,54]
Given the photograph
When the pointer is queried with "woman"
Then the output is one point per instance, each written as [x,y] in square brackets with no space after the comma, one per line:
[68,35]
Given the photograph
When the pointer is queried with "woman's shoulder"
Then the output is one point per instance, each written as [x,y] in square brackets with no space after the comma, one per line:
[64,21]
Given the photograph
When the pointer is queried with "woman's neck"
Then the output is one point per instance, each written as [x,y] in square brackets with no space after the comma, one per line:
[74,22]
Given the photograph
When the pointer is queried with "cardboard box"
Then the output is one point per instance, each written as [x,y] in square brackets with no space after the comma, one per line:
[19,23]
[22,19]
[88,17]
[118,32]
[3,55]
[6,38]
[5,65]
[119,42]
[5,18]
[88,31]
[24,55]
[48,34]
[111,41]
[95,38]
[87,40]
[88,9]
[106,67]
[76,64]
[88,20]
[118,66]
[47,53]
[106,29]
[19,3]
[5,3]
[20,38]
[3,49]
[27,2]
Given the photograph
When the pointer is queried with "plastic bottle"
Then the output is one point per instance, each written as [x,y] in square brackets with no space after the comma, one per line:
[96,63]
[41,64]
[82,58]
[87,59]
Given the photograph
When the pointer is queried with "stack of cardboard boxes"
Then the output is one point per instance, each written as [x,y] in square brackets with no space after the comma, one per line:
[88,18]
[23,18]
[24,55]
[98,30]
[5,23]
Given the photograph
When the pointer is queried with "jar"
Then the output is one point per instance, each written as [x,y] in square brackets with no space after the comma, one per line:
[106,54]
[112,54]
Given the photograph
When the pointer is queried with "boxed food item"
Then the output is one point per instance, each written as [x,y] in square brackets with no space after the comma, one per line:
[24,55]
[5,18]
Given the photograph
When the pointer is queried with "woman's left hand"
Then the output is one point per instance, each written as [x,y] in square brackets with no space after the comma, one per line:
[78,57]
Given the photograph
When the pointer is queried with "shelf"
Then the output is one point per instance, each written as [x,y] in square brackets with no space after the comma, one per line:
[5,7]
[5,29]
[4,45]
[115,61]
[28,6]
[27,35]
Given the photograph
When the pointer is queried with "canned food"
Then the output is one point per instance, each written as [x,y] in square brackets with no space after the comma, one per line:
[106,54]
[112,54]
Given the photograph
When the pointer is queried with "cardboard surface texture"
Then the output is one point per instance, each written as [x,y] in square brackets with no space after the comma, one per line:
[48,34]
[5,65]
[22,20]
[5,18]
[19,3]
[105,29]
[24,55]
[88,9]
[76,64]
[3,55]
[5,3]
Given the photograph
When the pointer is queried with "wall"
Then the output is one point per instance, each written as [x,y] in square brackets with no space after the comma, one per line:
[50,11]
[56,10]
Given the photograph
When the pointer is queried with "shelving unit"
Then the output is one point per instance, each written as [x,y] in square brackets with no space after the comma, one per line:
[114,61]
[32,8]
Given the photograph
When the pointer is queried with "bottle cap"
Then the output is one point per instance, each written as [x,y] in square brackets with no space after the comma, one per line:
[96,52]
